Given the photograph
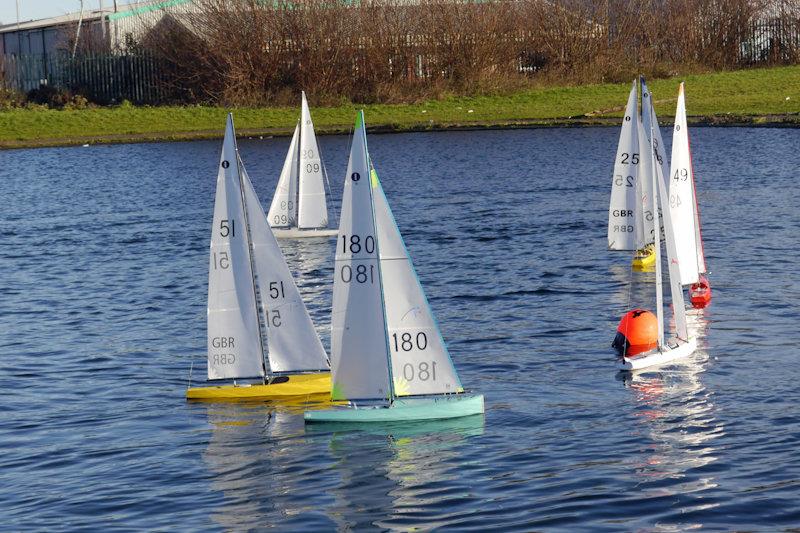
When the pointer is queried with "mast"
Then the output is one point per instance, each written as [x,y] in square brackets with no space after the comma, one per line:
[249,243]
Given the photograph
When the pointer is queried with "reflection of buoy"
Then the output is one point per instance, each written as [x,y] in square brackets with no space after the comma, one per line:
[700,293]
[637,333]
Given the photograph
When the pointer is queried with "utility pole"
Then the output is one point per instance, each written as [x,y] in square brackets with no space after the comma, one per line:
[78,31]
[19,37]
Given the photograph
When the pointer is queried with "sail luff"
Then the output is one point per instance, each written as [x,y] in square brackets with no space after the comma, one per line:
[292,341]
[234,342]
[623,205]
[283,210]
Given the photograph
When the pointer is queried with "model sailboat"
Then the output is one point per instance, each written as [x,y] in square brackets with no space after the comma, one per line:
[631,221]
[389,361]
[685,213]
[682,345]
[299,207]
[250,290]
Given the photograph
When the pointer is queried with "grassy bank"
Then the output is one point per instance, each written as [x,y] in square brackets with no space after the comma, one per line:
[758,96]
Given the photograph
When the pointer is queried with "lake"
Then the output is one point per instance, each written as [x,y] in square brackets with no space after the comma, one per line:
[103,280]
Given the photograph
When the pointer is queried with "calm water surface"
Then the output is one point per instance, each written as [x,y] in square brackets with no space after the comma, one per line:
[103,291]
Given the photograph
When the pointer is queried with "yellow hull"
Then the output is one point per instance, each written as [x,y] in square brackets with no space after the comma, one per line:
[297,385]
[644,258]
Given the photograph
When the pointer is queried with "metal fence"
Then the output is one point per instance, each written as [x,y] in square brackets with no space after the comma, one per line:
[101,77]
[776,41]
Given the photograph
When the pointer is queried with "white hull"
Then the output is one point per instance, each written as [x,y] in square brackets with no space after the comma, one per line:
[658,357]
[296,233]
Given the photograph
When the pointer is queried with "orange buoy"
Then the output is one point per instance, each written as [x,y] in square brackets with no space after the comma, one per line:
[637,333]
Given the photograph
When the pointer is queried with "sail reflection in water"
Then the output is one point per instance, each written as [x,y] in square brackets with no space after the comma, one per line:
[679,430]
[391,471]
[256,455]
[273,471]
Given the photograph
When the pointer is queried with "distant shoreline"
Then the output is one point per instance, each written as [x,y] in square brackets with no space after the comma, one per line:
[761,121]
[768,97]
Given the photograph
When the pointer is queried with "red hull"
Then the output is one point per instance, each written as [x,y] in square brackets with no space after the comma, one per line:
[700,293]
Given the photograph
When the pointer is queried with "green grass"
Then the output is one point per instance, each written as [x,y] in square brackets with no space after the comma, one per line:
[750,96]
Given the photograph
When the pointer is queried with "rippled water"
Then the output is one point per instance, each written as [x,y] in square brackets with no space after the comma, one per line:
[103,286]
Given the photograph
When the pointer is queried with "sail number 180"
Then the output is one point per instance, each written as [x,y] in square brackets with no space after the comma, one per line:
[423,371]
[355,245]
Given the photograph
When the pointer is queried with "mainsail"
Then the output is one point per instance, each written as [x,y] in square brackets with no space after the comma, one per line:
[359,350]
[622,227]
[682,201]
[234,340]
[312,207]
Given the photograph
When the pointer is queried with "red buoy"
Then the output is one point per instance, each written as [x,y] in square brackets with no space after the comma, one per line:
[637,333]
[700,293]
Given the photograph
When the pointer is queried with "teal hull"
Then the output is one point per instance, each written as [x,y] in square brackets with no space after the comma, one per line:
[404,410]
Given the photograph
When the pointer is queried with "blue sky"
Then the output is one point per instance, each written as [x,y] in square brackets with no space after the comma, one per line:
[38,9]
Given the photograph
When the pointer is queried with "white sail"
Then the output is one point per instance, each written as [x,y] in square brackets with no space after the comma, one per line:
[312,207]
[644,184]
[622,233]
[359,351]
[283,210]
[661,204]
[650,124]
[647,118]
[420,361]
[701,255]
[681,198]
[234,340]
[676,290]
[293,343]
